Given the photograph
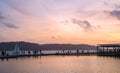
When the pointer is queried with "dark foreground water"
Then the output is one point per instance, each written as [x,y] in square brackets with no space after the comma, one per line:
[61,64]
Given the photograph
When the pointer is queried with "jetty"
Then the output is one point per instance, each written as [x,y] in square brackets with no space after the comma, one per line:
[108,50]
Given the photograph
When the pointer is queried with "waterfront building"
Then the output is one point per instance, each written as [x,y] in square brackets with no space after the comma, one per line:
[14,52]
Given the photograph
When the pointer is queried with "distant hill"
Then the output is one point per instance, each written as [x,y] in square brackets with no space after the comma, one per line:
[34,46]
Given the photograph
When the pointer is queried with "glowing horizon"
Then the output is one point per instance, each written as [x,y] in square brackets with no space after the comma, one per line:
[60,21]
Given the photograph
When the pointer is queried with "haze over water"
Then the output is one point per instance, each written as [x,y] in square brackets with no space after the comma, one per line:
[61,64]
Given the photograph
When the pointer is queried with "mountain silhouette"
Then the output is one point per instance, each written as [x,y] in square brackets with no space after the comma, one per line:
[34,46]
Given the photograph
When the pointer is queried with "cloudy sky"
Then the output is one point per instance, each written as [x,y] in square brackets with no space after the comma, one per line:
[60,21]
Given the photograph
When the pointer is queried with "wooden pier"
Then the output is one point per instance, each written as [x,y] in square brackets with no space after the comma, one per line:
[42,53]
[108,50]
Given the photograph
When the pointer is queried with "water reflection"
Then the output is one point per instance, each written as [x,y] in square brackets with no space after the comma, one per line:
[60,64]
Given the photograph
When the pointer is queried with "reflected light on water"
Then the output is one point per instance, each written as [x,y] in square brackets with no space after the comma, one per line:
[61,64]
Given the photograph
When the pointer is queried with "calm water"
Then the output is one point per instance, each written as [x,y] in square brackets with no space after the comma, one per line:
[61,64]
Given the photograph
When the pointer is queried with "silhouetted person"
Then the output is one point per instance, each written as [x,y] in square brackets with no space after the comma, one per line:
[7,54]
[29,52]
[3,53]
[77,51]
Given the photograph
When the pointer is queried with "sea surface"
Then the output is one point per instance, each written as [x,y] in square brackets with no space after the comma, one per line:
[60,64]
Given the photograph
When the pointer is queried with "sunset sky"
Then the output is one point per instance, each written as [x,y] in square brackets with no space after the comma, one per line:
[60,21]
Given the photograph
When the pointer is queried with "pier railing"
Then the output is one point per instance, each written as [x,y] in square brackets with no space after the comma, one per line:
[108,49]
[48,52]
